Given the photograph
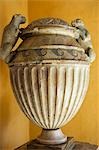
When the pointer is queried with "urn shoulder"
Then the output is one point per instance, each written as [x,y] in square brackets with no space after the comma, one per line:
[49,39]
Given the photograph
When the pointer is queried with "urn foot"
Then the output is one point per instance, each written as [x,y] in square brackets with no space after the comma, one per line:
[54,136]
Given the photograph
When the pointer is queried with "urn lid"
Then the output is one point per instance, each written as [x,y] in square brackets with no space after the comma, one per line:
[47,22]
[49,26]
[53,39]
[44,22]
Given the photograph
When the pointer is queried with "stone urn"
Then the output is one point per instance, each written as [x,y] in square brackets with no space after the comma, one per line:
[49,71]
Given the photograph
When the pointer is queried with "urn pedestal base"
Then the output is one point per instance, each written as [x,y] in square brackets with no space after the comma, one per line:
[54,136]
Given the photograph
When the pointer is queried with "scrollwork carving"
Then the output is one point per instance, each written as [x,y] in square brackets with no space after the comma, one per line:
[41,52]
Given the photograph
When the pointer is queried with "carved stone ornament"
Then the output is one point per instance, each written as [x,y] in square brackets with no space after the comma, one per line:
[49,71]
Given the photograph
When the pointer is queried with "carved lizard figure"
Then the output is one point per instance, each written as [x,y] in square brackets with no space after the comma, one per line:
[10,35]
[85,39]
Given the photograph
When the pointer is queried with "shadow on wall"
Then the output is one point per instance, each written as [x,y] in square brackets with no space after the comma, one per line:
[34,131]
[4,101]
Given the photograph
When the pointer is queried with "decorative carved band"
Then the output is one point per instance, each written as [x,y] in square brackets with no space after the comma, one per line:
[48,53]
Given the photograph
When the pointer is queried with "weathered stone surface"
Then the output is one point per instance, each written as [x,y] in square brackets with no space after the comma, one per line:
[53,26]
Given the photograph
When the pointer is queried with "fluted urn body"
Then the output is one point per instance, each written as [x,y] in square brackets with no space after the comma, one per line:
[50,94]
[50,75]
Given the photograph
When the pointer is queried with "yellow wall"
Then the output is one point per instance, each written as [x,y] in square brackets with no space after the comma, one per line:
[15,128]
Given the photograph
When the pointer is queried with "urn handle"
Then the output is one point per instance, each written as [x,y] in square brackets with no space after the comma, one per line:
[10,37]
[84,39]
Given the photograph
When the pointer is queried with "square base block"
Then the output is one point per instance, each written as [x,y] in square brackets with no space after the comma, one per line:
[71,144]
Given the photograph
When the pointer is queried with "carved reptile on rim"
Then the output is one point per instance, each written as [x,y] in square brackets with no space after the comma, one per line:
[11,35]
